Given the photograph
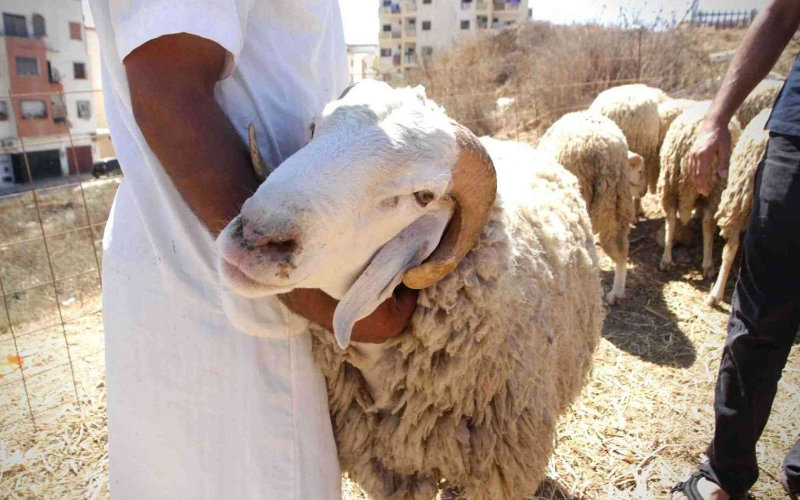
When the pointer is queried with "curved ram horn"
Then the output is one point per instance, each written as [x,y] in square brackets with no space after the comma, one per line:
[473,187]
[260,166]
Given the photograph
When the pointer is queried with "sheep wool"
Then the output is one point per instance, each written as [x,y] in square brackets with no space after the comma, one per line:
[679,196]
[593,148]
[762,97]
[667,112]
[495,353]
[736,202]
[634,108]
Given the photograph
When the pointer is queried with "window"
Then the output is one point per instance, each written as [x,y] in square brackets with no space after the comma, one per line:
[426,2]
[80,71]
[38,26]
[3,111]
[75,31]
[386,52]
[14,25]
[27,66]
[84,109]
[426,25]
[33,110]
[464,25]
[59,109]
[387,27]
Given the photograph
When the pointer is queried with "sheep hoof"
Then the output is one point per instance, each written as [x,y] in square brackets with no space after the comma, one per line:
[612,297]
[709,271]
[712,300]
[666,265]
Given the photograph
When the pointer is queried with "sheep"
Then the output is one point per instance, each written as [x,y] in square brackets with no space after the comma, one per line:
[667,112]
[635,109]
[679,196]
[763,96]
[736,202]
[496,237]
[593,148]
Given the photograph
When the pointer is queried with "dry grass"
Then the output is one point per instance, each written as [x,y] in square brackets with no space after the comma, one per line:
[641,424]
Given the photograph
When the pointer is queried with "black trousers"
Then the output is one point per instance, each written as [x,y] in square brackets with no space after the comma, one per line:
[765,314]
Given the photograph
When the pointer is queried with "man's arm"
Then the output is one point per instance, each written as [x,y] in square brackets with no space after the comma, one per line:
[171,81]
[762,45]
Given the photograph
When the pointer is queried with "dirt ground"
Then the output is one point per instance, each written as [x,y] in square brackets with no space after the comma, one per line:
[641,424]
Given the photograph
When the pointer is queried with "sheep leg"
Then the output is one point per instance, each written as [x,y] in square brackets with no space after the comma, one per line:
[670,222]
[617,248]
[709,227]
[638,211]
[728,254]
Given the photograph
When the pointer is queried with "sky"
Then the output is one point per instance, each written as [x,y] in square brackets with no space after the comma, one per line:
[360,17]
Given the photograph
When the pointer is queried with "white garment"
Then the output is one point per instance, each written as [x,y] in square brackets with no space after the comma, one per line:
[196,408]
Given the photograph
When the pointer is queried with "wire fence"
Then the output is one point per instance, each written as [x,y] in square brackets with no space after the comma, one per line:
[51,250]
[53,210]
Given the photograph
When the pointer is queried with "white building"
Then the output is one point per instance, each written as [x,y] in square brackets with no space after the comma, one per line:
[411,30]
[362,61]
[47,99]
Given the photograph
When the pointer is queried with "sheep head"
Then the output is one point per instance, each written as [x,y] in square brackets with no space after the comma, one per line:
[637,176]
[388,190]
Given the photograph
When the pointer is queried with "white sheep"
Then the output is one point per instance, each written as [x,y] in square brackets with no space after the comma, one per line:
[593,148]
[679,196]
[634,108]
[509,311]
[667,112]
[736,202]
[760,98]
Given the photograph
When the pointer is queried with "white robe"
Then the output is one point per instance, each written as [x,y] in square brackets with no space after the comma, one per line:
[197,408]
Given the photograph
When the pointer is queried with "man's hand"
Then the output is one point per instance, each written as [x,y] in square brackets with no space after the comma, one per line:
[711,149]
[387,321]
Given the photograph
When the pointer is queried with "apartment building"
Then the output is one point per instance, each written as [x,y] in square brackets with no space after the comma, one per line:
[361,61]
[45,91]
[412,30]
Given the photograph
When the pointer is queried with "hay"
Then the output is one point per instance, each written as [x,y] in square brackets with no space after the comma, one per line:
[641,424]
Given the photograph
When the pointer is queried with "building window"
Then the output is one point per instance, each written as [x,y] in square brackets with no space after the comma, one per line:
[80,70]
[3,111]
[464,25]
[387,27]
[426,2]
[33,110]
[14,25]
[84,109]
[426,25]
[27,66]
[386,52]
[38,26]
[75,31]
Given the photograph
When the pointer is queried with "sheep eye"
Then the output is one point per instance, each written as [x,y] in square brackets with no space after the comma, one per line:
[424,197]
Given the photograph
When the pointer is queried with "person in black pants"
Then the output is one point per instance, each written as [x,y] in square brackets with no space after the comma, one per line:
[765,311]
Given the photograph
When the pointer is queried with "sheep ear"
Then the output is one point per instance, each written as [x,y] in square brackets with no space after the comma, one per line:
[261,168]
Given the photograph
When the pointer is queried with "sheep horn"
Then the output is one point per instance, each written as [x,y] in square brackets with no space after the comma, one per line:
[260,166]
[473,187]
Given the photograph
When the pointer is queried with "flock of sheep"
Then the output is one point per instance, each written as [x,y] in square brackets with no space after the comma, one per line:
[499,238]
[651,127]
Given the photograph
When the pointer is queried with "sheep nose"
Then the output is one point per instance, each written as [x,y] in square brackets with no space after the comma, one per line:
[277,237]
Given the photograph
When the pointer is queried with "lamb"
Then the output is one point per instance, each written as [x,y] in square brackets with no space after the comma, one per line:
[733,213]
[593,148]
[679,196]
[634,108]
[497,239]
[760,98]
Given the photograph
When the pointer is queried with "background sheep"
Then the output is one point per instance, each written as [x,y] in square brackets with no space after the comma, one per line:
[498,347]
[634,108]
[593,148]
[760,98]
[668,110]
[737,198]
[679,197]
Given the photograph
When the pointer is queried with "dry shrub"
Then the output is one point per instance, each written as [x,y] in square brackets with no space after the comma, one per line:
[550,70]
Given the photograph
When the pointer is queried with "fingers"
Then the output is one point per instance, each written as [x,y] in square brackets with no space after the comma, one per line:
[724,156]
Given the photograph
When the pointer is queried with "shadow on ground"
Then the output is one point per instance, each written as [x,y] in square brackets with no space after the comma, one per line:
[643,324]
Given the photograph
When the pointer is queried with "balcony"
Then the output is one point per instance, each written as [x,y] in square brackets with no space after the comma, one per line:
[466,4]
[411,31]
[506,6]
[396,34]
[389,10]
[396,59]
[410,7]
[481,6]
